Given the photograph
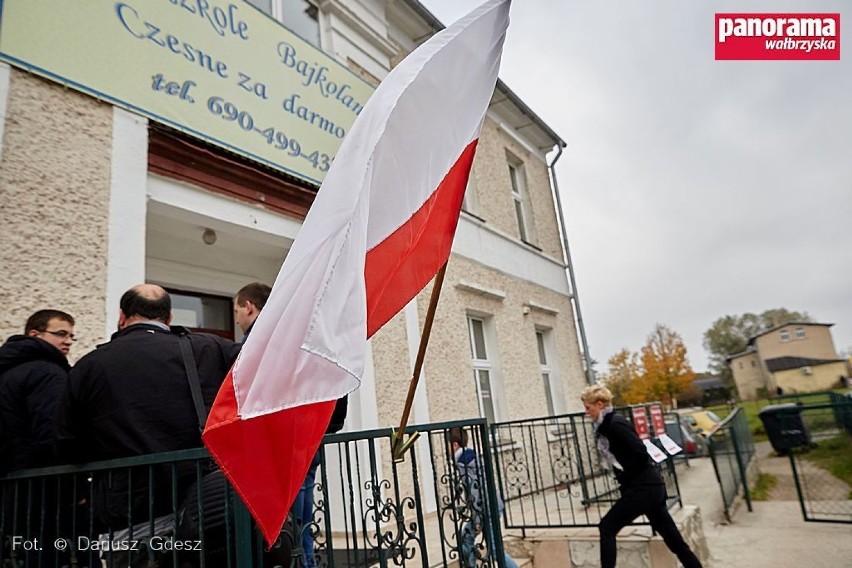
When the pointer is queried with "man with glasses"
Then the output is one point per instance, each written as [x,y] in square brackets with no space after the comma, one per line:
[33,372]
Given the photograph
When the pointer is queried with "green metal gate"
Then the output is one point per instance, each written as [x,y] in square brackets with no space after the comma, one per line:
[817,466]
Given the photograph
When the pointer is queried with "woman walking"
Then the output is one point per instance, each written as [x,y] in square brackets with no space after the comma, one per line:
[642,489]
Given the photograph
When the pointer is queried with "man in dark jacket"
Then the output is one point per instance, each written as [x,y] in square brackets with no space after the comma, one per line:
[131,397]
[33,371]
[248,303]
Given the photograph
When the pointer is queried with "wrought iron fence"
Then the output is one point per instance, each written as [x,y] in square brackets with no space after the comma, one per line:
[732,451]
[549,473]
[421,512]
[156,510]
[176,510]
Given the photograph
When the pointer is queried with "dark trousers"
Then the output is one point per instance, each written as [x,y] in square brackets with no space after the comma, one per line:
[648,500]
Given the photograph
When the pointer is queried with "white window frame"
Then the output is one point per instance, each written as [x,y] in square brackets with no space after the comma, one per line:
[277,12]
[784,335]
[518,200]
[272,7]
[470,202]
[800,333]
[487,364]
[542,337]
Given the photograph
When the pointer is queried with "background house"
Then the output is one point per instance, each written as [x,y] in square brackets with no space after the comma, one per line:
[795,357]
[706,389]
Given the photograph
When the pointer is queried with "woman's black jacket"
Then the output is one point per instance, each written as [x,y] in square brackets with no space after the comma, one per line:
[630,452]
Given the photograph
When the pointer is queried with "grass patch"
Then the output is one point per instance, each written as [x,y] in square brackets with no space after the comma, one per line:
[834,455]
[763,486]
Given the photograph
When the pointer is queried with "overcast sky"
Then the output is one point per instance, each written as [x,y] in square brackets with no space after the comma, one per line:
[692,188]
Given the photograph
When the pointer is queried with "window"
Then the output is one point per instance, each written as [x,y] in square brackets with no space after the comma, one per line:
[264,6]
[300,16]
[470,203]
[203,312]
[752,363]
[784,335]
[482,368]
[800,333]
[546,371]
[519,199]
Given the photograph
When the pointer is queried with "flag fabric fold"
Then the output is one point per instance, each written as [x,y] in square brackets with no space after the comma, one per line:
[381,226]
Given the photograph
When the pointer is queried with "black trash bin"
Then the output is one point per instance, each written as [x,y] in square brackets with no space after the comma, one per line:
[784,426]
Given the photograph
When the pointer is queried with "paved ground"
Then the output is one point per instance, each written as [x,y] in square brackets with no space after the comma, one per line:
[774,535]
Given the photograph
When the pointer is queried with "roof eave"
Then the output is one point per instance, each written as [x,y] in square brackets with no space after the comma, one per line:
[437,26]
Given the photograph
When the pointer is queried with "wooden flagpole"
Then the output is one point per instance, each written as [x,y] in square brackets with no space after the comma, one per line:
[398,446]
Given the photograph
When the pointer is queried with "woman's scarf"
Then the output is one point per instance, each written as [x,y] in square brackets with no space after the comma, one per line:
[608,460]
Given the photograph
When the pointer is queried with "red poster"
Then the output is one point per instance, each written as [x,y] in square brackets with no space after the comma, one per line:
[640,422]
[657,420]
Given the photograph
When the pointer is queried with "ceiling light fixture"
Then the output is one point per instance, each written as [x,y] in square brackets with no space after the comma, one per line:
[208,236]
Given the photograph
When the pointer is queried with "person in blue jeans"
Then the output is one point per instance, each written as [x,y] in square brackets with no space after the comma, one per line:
[303,506]
[471,483]
[303,512]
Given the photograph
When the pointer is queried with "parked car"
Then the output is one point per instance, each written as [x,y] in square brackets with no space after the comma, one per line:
[703,422]
[693,445]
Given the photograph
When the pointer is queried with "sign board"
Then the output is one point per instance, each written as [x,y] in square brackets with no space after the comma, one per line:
[657,420]
[656,453]
[219,70]
[670,445]
[640,422]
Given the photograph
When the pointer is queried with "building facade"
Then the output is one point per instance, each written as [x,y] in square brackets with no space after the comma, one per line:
[794,357]
[105,186]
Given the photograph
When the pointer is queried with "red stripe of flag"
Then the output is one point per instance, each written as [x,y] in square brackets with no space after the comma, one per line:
[402,264]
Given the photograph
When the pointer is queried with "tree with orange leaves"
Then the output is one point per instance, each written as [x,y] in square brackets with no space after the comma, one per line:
[623,370]
[665,369]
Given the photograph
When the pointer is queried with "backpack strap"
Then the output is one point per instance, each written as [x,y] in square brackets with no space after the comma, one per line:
[192,378]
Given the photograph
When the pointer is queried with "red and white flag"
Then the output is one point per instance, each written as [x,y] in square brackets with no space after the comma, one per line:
[380,228]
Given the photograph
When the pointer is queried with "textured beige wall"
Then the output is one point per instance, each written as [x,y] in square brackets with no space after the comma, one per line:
[817,343]
[391,367]
[822,377]
[494,188]
[54,187]
[55,169]
[748,375]
[448,371]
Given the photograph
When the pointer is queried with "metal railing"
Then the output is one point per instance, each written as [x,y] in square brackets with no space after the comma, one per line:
[549,473]
[804,398]
[820,450]
[842,404]
[174,510]
[732,451]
